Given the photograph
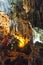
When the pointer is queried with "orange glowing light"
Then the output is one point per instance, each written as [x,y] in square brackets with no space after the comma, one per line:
[22,41]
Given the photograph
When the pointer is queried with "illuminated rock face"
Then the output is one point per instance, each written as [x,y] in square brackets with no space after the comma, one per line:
[4,23]
[26,5]
[24,33]
[24,28]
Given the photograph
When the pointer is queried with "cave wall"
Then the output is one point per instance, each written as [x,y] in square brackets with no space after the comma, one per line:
[35,15]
